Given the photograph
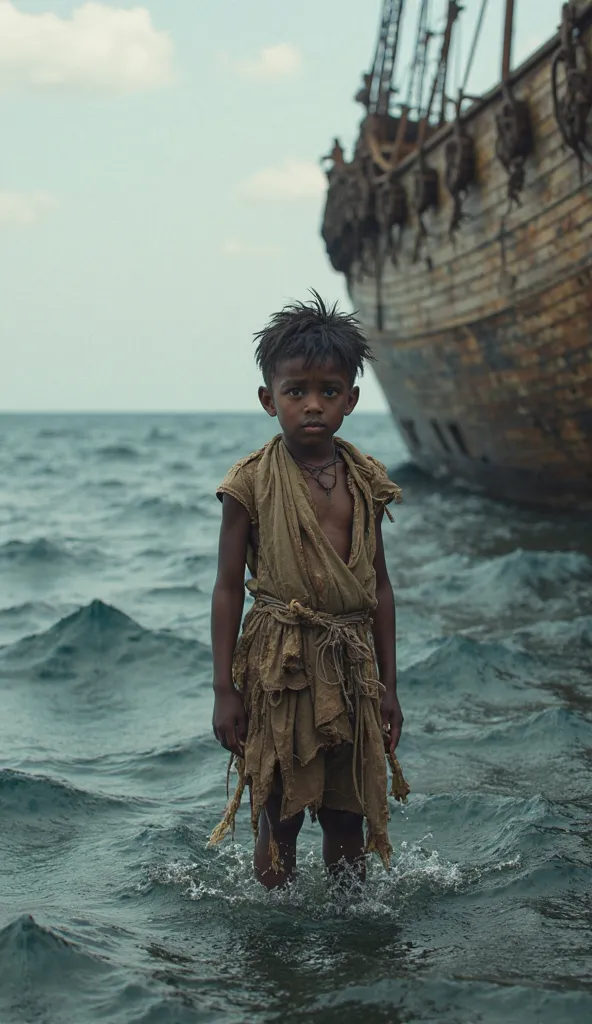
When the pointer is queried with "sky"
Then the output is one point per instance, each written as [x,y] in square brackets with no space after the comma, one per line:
[160,186]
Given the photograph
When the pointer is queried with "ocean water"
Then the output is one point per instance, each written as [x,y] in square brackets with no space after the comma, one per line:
[111,908]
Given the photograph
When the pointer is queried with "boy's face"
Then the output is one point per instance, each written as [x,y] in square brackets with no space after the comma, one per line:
[309,402]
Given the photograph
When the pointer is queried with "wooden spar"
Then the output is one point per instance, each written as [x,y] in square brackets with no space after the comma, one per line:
[388,163]
[453,13]
[442,117]
[508,35]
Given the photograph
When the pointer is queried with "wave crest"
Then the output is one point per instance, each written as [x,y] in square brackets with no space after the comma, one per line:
[97,641]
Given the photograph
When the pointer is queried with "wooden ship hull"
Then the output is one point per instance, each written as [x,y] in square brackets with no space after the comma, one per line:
[476,292]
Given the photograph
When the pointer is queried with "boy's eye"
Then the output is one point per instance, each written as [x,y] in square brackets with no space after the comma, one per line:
[330,392]
[295,392]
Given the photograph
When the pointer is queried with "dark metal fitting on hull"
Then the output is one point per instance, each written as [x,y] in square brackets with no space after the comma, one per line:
[515,142]
[425,188]
[391,212]
[572,98]
[460,171]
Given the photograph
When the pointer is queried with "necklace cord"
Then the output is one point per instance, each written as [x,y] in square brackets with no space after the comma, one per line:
[328,470]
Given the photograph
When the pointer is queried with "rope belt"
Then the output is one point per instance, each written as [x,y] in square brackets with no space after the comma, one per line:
[340,641]
[341,648]
[344,643]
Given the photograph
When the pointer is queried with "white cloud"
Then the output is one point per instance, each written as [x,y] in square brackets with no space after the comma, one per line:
[272,62]
[98,47]
[294,179]
[238,248]
[24,208]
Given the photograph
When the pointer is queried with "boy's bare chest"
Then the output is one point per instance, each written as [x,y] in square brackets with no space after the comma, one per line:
[334,512]
[335,508]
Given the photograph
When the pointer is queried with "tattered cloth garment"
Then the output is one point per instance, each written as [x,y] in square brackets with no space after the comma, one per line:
[305,662]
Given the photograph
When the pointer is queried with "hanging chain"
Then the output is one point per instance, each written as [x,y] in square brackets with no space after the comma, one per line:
[328,471]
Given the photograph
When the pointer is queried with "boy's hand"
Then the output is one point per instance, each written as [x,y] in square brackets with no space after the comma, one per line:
[230,721]
[392,719]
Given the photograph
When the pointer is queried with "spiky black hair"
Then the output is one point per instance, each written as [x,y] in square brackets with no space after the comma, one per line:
[314,332]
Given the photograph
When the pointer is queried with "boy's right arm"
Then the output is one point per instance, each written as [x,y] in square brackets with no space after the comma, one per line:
[230,720]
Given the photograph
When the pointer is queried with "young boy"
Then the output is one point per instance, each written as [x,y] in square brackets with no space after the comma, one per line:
[298,700]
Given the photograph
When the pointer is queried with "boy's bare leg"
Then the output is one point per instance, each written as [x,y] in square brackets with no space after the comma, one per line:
[285,834]
[343,842]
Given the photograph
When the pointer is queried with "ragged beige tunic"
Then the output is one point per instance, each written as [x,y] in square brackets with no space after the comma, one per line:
[305,661]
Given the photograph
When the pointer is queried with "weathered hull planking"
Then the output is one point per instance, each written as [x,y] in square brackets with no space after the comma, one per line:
[483,336]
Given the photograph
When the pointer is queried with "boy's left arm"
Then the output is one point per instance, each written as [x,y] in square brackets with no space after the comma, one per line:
[383,628]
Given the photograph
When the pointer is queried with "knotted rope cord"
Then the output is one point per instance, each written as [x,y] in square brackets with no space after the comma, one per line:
[228,821]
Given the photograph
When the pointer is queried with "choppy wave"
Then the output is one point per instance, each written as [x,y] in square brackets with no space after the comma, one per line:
[465,998]
[125,452]
[24,795]
[26,944]
[42,553]
[48,433]
[96,639]
[111,483]
[573,634]
[165,508]
[33,552]
[193,563]
[161,434]
[460,663]
[25,610]
[187,592]
[533,582]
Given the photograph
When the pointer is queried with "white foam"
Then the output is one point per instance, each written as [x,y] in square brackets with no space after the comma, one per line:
[228,876]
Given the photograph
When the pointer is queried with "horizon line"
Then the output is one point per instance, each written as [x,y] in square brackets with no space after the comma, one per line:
[154,412]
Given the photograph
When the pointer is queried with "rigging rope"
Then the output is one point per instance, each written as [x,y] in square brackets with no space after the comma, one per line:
[424,59]
[458,57]
[473,50]
[421,22]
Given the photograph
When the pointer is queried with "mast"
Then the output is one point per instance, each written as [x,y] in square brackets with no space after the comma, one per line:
[422,54]
[385,58]
[453,13]
[508,37]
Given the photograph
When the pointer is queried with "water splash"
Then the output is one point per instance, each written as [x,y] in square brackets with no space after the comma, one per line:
[229,877]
